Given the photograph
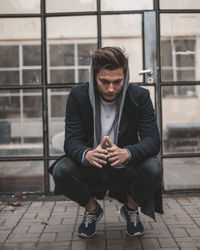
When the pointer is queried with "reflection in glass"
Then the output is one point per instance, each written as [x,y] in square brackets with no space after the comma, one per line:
[61,54]
[70,48]
[62,76]
[57,103]
[70,5]
[22,6]
[181,121]
[21,176]
[20,63]
[180,47]
[9,56]
[31,55]
[20,123]
[125,31]
[181,173]
[126,5]
[180,4]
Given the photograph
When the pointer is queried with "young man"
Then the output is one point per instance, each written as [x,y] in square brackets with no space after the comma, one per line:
[111,140]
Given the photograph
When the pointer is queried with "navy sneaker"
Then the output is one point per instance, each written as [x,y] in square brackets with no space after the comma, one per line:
[134,226]
[87,227]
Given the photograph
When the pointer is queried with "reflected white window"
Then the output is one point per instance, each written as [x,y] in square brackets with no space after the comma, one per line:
[178,64]
[69,63]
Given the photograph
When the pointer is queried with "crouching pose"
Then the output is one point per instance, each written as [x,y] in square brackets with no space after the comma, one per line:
[111,143]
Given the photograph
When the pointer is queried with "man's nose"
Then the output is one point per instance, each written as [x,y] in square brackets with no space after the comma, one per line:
[111,87]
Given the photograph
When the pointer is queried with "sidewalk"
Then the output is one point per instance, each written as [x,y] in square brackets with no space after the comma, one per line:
[53,225]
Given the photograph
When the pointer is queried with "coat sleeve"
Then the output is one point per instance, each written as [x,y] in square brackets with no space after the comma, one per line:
[74,144]
[148,133]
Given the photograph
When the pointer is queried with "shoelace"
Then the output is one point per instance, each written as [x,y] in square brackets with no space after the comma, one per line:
[87,219]
[134,217]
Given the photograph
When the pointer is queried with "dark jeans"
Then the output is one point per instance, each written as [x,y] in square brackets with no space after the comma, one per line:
[81,183]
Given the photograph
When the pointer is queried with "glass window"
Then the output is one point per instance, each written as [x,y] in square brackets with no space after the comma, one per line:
[85,53]
[69,58]
[57,99]
[21,123]
[22,6]
[126,5]
[9,56]
[31,55]
[181,173]
[178,64]
[180,4]
[125,31]
[70,5]
[181,121]
[62,55]
[180,47]
[22,176]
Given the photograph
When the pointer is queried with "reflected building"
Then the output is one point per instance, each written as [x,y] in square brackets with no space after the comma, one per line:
[45,49]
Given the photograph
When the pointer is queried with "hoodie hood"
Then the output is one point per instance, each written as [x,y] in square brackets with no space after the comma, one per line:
[95,102]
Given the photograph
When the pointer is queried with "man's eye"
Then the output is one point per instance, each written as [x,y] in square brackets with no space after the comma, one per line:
[105,81]
[117,82]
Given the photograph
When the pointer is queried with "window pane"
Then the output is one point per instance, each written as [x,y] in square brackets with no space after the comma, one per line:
[125,31]
[9,77]
[185,45]
[85,53]
[62,55]
[22,176]
[31,55]
[57,104]
[166,57]
[186,75]
[20,123]
[167,75]
[9,56]
[83,75]
[70,5]
[31,77]
[22,6]
[181,129]
[179,4]
[186,90]
[126,5]
[168,91]
[182,31]
[13,29]
[73,46]
[181,173]
[185,60]
[62,76]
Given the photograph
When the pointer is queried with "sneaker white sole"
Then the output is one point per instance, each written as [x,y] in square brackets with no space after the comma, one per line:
[90,236]
[131,235]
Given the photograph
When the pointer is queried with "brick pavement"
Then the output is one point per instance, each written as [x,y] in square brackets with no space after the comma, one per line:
[21,227]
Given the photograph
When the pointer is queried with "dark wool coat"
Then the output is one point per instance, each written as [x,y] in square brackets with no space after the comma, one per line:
[138,131]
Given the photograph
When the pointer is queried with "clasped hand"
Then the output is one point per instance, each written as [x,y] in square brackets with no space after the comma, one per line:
[113,154]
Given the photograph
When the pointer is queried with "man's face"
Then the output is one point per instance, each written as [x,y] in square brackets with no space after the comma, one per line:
[110,83]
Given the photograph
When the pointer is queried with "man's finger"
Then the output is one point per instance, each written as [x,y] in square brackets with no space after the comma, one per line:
[103,142]
[109,141]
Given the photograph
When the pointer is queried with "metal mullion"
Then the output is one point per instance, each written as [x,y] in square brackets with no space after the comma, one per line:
[44,95]
[19,15]
[180,83]
[178,11]
[63,14]
[180,155]
[99,27]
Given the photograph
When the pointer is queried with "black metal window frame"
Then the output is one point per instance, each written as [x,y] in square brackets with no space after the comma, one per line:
[43,15]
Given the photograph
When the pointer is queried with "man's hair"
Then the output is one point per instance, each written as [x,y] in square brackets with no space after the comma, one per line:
[109,58]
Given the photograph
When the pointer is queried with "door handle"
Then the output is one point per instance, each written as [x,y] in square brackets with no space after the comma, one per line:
[146,71]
